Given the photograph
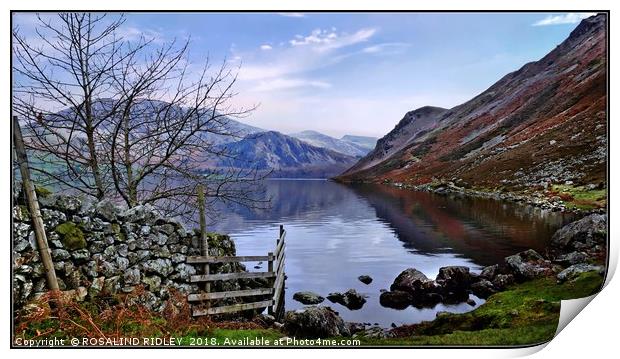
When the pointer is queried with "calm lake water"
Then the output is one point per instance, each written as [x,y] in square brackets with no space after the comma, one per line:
[336,233]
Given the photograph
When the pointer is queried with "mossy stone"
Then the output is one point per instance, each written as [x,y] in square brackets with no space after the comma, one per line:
[116,228]
[42,192]
[72,235]
[118,233]
[24,212]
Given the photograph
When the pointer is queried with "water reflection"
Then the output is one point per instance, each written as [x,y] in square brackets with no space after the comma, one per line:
[338,232]
[483,230]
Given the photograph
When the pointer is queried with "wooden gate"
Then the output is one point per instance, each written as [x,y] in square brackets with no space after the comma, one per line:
[274,274]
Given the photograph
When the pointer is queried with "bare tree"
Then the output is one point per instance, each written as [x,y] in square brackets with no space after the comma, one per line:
[66,66]
[158,150]
[112,118]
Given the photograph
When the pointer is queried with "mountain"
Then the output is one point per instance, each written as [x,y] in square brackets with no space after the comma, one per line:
[255,148]
[284,156]
[238,130]
[339,145]
[367,143]
[545,122]
[233,129]
[414,125]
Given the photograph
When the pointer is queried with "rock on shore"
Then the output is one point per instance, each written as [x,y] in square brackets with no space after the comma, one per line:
[574,271]
[315,322]
[528,265]
[586,234]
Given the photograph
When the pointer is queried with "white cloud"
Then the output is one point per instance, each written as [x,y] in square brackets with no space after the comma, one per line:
[304,53]
[288,83]
[389,48]
[130,33]
[372,49]
[281,79]
[570,18]
[329,39]
[266,47]
[292,14]
[317,36]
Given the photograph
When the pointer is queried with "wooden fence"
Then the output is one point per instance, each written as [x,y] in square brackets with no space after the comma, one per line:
[274,274]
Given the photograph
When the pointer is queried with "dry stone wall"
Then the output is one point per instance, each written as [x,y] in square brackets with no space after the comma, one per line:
[100,248]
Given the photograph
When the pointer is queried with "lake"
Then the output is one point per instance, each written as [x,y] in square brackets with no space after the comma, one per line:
[337,232]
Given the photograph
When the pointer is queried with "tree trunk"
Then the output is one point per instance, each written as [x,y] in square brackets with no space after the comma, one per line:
[94,163]
[131,186]
[203,234]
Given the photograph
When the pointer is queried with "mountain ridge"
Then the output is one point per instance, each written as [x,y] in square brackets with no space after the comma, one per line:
[351,148]
[245,140]
[543,123]
[280,155]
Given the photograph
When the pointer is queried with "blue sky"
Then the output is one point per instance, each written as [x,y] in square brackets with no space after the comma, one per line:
[354,73]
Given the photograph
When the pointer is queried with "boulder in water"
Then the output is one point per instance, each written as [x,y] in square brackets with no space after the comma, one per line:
[366,279]
[395,299]
[454,278]
[308,298]
[411,281]
[350,299]
[483,289]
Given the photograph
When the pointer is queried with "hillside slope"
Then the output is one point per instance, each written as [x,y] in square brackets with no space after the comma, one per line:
[413,126]
[544,123]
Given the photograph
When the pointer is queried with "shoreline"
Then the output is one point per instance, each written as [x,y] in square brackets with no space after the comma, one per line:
[538,199]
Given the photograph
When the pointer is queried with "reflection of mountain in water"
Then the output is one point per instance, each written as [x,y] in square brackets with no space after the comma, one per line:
[481,229]
[311,201]
[484,231]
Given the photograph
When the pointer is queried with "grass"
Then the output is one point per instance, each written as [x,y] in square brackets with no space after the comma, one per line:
[485,337]
[524,314]
[580,197]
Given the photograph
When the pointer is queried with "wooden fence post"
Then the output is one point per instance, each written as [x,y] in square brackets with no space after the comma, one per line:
[278,294]
[33,207]
[274,276]
[271,281]
[204,240]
